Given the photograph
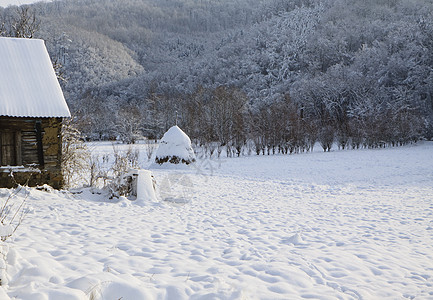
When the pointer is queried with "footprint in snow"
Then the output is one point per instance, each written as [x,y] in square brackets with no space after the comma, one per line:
[295,239]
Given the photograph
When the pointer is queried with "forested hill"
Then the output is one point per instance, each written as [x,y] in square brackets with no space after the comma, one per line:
[340,66]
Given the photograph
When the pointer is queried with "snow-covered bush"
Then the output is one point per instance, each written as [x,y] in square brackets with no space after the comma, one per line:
[75,155]
[120,183]
[123,161]
[81,167]
[11,213]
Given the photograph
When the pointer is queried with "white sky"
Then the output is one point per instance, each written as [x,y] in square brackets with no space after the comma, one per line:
[6,3]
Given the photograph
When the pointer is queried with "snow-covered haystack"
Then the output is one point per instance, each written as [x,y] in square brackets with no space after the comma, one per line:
[175,147]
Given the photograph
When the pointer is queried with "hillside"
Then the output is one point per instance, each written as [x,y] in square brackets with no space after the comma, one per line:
[344,63]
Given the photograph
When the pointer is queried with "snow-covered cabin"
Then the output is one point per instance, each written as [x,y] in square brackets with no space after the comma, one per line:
[32,108]
[175,147]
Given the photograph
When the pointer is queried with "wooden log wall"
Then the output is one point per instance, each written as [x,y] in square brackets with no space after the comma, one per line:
[27,149]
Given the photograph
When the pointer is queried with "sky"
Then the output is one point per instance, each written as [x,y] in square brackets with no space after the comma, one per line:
[5,3]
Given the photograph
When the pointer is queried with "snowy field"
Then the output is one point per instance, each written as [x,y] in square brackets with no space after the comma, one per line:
[354,224]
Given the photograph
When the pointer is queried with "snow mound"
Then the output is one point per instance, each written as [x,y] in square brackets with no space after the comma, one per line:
[110,285]
[175,147]
[145,188]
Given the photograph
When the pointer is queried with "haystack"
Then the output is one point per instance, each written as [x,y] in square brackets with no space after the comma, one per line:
[175,148]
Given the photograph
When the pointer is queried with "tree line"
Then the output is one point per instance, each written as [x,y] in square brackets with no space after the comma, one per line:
[222,119]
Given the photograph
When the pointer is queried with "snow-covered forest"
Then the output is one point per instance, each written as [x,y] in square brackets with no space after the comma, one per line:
[281,74]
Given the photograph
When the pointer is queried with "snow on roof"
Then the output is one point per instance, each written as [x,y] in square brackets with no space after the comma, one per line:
[28,83]
[175,143]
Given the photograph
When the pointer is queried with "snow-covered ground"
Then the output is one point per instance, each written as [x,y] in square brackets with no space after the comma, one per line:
[355,224]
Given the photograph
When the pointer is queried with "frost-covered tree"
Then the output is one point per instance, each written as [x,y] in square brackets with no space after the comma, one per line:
[20,22]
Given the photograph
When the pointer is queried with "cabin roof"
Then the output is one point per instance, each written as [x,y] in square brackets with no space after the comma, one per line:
[28,83]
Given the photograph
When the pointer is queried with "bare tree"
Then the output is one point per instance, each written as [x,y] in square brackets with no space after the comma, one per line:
[22,24]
